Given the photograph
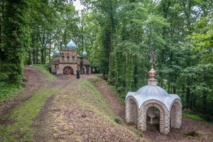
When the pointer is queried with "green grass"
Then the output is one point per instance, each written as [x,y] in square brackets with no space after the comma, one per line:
[19,128]
[88,97]
[193,116]
[93,100]
[44,71]
[7,89]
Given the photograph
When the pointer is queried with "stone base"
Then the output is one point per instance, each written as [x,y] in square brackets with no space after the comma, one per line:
[152,82]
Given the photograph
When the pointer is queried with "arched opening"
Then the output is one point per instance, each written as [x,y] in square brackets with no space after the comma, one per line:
[153,118]
[132,111]
[160,112]
[176,115]
[68,70]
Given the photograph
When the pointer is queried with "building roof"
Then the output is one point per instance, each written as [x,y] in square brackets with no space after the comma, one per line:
[153,92]
[86,62]
[71,45]
[63,46]
[157,93]
[55,61]
[84,53]
[57,52]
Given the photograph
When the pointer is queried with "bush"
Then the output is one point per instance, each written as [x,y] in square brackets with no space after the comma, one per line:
[118,120]
[7,89]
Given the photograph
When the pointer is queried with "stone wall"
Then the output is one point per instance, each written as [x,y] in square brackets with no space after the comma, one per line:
[68,56]
[164,121]
[176,114]
[131,111]
[53,68]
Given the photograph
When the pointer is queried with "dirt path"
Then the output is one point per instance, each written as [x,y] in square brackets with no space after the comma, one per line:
[78,113]
[191,131]
[34,80]
[61,117]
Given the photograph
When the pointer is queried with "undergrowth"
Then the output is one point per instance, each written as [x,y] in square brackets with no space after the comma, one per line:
[19,128]
[7,89]
[193,116]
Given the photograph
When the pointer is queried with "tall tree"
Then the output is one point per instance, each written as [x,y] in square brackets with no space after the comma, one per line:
[17,37]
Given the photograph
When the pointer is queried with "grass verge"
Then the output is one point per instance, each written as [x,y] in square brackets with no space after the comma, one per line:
[193,116]
[44,71]
[19,121]
[7,90]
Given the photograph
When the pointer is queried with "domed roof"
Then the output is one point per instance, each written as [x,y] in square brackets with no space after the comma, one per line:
[63,46]
[153,92]
[84,53]
[71,45]
[157,93]
[57,52]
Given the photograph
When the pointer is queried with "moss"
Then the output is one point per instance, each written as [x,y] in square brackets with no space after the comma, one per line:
[192,134]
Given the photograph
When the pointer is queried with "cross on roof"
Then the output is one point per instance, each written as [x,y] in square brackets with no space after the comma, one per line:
[152,55]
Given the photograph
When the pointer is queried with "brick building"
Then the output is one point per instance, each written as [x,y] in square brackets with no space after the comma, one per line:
[68,59]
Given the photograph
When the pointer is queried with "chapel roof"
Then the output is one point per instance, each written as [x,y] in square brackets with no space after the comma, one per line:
[153,92]
[84,54]
[55,61]
[86,62]
[57,52]
[71,45]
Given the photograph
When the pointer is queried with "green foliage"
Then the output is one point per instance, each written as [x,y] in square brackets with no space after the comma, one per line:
[17,39]
[118,120]
[7,90]
[22,117]
[193,116]
[125,39]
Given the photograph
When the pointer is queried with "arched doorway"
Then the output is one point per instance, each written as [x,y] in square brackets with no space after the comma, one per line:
[153,118]
[162,114]
[66,69]
[132,111]
[176,114]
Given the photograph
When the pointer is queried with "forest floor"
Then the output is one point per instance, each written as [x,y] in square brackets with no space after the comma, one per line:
[87,109]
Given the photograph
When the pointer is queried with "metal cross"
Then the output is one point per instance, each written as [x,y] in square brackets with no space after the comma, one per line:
[152,55]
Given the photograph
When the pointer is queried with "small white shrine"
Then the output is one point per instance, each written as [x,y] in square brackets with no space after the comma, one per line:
[152,105]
